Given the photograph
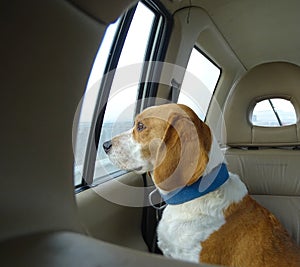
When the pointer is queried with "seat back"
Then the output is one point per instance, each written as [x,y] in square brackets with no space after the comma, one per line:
[272,177]
[267,159]
[48,48]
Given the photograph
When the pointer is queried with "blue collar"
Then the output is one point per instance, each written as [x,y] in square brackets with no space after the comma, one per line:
[204,185]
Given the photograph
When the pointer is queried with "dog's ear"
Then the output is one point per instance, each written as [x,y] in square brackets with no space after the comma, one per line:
[183,154]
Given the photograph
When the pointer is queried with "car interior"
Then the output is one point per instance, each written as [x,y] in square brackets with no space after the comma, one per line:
[62,203]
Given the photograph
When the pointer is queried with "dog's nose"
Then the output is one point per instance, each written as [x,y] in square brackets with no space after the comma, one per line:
[107,146]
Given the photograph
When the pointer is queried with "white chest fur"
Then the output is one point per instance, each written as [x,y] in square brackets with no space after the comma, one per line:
[183,227]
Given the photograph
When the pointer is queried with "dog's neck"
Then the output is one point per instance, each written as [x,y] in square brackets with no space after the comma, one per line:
[203,186]
[216,157]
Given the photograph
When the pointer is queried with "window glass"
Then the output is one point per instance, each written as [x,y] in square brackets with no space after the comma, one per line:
[273,112]
[89,101]
[121,105]
[199,83]
[120,110]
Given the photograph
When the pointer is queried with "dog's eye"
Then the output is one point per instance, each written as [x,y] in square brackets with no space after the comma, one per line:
[140,126]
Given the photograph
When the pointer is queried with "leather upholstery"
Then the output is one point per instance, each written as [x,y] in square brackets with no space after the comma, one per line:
[272,178]
[76,250]
[277,79]
[271,170]
[47,50]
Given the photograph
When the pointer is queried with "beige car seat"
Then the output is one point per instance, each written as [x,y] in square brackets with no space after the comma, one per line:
[267,158]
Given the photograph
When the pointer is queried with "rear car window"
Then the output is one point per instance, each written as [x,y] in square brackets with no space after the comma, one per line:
[199,83]
[273,112]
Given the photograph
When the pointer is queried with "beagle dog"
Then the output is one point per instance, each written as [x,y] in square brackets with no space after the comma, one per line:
[209,217]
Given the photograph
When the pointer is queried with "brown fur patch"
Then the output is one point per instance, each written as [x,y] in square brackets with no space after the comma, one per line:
[251,237]
[185,156]
[181,154]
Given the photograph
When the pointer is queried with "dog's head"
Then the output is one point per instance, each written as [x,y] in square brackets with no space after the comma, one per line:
[168,140]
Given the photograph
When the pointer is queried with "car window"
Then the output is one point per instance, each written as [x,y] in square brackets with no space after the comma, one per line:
[273,112]
[120,110]
[125,46]
[199,83]
[89,101]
